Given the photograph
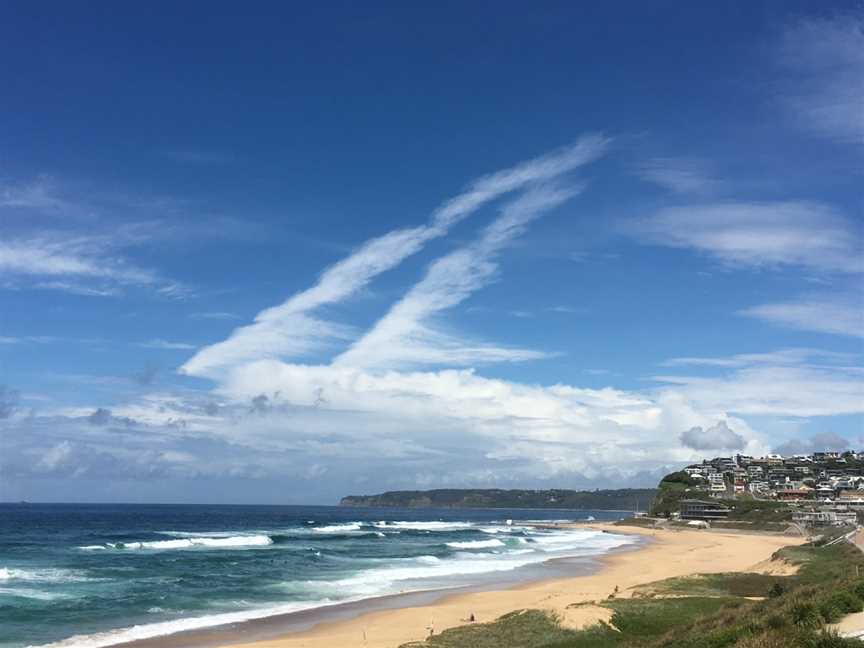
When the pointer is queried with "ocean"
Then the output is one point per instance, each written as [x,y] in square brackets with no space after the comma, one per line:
[87,576]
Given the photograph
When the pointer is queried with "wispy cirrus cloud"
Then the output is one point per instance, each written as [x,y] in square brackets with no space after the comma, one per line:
[680,175]
[767,234]
[793,382]
[290,330]
[214,315]
[37,194]
[80,264]
[837,315]
[158,343]
[405,336]
[774,390]
[823,61]
[795,356]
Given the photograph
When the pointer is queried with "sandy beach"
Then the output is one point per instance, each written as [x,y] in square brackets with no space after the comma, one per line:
[668,553]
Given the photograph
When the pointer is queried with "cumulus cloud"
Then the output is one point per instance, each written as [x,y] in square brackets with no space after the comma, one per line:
[8,401]
[716,437]
[774,234]
[146,375]
[101,416]
[837,316]
[289,329]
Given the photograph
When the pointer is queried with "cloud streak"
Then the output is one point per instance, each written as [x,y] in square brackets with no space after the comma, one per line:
[289,330]
[770,234]
[405,336]
[81,264]
[824,62]
[818,314]
[679,175]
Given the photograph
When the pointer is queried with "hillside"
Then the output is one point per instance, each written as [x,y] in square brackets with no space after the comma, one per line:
[628,499]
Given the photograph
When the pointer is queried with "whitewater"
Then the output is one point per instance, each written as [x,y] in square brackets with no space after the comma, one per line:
[99,576]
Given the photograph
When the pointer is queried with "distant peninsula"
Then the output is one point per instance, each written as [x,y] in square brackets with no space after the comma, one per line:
[624,499]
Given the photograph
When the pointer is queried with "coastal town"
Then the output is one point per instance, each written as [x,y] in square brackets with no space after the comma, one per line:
[818,489]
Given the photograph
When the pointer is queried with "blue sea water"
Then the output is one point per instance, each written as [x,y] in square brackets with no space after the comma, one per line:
[87,576]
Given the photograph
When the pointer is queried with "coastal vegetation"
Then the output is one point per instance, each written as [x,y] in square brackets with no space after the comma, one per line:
[708,611]
[623,499]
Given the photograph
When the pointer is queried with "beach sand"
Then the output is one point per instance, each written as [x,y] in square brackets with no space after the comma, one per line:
[669,553]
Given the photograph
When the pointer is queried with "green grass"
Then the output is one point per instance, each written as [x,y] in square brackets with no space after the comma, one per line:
[732,584]
[525,629]
[644,522]
[707,611]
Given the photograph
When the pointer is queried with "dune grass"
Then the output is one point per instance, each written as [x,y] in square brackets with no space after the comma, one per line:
[708,611]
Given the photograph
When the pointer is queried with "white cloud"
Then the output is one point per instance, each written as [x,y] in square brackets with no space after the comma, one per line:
[795,356]
[554,429]
[717,437]
[157,343]
[35,339]
[679,175]
[824,59]
[76,288]
[819,314]
[87,265]
[760,234]
[39,194]
[215,315]
[289,330]
[74,257]
[405,336]
[771,390]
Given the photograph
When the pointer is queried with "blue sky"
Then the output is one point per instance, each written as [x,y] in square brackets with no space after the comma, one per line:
[280,253]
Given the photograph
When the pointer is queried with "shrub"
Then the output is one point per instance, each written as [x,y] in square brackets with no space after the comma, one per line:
[805,615]
[831,610]
[776,590]
[846,601]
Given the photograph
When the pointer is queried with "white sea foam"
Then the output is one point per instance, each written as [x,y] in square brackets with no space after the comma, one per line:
[25,592]
[43,575]
[476,544]
[188,543]
[425,526]
[339,528]
[504,529]
[380,581]
[209,534]
[160,629]
[408,574]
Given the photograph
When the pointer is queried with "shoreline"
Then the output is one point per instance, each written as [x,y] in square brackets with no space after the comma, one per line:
[389,621]
[277,625]
[667,553]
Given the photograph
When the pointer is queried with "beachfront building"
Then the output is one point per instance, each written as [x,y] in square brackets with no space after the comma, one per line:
[693,509]
[825,517]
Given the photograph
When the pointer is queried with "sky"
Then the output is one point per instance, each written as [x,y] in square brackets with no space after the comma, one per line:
[285,252]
